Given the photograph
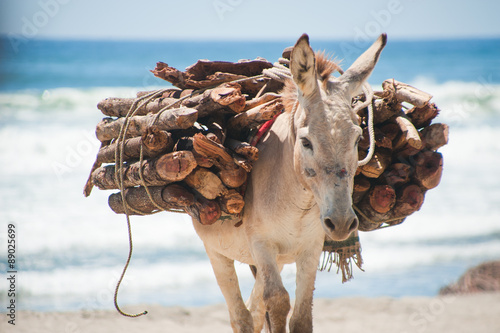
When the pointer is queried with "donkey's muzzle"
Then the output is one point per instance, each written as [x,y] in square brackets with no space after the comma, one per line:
[339,228]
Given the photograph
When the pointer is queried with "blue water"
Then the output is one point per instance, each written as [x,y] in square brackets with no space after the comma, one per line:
[72,249]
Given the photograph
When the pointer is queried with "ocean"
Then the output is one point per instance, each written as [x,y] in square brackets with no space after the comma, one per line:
[71,250]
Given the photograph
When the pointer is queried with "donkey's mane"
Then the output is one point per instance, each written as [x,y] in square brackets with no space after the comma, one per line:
[325,66]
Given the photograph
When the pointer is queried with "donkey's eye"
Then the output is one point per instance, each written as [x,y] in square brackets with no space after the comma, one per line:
[306,143]
[358,139]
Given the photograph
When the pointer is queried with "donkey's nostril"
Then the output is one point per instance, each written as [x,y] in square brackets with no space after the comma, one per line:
[354,225]
[329,224]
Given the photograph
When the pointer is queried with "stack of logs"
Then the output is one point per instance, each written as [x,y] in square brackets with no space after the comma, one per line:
[190,146]
[406,163]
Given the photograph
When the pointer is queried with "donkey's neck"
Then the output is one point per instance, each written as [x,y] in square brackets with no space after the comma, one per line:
[276,188]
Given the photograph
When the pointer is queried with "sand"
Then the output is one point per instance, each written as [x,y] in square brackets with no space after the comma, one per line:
[477,313]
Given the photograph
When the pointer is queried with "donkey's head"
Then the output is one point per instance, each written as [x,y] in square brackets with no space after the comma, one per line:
[327,133]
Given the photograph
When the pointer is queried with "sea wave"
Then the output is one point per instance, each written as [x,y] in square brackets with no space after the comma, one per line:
[73,247]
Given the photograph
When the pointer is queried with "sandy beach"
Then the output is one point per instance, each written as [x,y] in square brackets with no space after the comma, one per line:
[466,313]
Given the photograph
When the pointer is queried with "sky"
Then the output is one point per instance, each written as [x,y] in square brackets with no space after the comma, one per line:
[248,19]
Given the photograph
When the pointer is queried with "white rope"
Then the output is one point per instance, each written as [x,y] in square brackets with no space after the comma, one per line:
[367,90]
[278,72]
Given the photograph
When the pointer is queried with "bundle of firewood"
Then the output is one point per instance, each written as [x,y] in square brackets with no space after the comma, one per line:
[405,163]
[188,148]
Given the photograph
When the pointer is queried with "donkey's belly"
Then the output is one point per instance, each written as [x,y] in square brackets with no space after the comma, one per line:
[234,242]
[225,239]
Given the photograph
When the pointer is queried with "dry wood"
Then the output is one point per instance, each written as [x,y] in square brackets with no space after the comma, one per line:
[226,97]
[154,143]
[207,212]
[172,119]
[428,169]
[422,116]
[158,171]
[434,136]
[232,202]
[397,174]
[409,199]
[167,197]
[231,173]
[243,148]
[382,198]
[233,177]
[204,68]
[260,100]
[206,183]
[409,142]
[254,117]
[361,186]
[380,140]
[243,162]
[119,107]
[210,73]
[406,93]
[391,131]
[377,165]
[186,143]
[385,109]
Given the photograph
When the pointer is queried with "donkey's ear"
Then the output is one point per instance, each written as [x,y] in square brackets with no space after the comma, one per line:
[361,69]
[303,66]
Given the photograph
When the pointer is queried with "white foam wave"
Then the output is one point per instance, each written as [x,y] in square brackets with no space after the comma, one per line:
[48,146]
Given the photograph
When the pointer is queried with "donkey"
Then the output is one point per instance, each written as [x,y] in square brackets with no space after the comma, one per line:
[299,190]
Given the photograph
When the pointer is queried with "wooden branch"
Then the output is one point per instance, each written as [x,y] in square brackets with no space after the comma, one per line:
[206,73]
[225,98]
[380,140]
[409,142]
[243,148]
[428,169]
[231,173]
[154,143]
[406,93]
[232,202]
[397,174]
[159,171]
[382,198]
[361,187]
[260,100]
[377,165]
[203,68]
[435,136]
[221,156]
[243,162]
[205,211]
[422,116]
[206,183]
[119,107]
[171,119]
[385,109]
[391,131]
[255,116]
[172,196]
[410,198]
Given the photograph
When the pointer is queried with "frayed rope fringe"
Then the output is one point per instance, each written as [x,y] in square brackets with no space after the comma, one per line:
[342,254]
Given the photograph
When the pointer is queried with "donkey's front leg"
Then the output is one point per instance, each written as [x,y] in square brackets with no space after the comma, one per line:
[307,265]
[275,295]
[241,319]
